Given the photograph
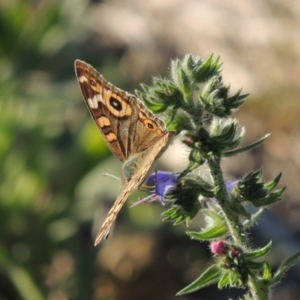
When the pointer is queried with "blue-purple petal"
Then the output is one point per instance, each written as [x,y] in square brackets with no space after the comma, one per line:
[163,182]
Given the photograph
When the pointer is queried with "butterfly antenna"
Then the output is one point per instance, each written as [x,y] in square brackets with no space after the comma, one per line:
[111,175]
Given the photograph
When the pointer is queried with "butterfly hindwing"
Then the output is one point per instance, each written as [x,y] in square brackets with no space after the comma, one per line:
[152,154]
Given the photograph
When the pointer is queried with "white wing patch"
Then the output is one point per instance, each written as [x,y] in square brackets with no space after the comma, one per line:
[82,79]
[93,102]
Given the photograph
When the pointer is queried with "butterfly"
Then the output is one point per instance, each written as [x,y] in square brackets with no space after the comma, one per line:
[135,136]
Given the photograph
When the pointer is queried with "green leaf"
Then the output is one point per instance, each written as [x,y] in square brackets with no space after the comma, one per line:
[258,253]
[229,144]
[154,106]
[254,217]
[246,148]
[185,83]
[238,209]
[254,265]
[212,213]
[210,276]
[285,265]
[188,63]
[227,134]
[270,186]
[211,233]
[207,69]
[224,280]
[268,200]
[234,279]
[236,100]
[267,275]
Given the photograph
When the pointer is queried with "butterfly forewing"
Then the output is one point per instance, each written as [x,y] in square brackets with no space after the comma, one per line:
[125,123]
[94,89]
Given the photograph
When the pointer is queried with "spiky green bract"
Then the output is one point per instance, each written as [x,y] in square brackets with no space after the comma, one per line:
[198,104]
[254,190]
[196,88]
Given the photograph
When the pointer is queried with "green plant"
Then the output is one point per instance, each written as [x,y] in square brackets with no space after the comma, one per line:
[196,102]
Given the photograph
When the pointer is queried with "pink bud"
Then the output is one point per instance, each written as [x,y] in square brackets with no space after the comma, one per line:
[235,252]
[219,248]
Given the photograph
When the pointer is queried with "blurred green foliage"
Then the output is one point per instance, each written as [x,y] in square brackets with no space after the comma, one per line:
[45,150]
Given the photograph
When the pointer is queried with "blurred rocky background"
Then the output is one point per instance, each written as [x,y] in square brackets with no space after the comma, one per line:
[53,195]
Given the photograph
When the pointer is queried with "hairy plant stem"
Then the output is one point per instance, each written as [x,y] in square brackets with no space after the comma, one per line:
[258,292]
[234,225]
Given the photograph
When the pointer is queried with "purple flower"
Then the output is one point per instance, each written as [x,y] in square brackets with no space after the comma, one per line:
[231,185]
[162,182]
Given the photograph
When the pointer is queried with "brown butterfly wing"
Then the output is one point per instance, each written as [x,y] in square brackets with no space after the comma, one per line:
[132,132]
[93,87]
[150,156]
[125,123]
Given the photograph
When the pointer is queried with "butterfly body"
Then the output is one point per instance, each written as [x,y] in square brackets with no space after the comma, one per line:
[131,131]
